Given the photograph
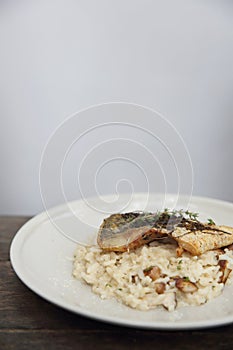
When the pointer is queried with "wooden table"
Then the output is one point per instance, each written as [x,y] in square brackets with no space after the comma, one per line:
[29,322]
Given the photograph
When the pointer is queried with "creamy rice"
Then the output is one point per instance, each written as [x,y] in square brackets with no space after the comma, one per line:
[122,275]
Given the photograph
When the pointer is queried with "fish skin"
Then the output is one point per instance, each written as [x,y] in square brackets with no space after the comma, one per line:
[115,233]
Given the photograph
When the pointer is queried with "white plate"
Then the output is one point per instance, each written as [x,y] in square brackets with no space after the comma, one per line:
[42,258]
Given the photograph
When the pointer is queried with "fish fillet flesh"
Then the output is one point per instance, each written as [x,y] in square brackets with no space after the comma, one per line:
[198,242]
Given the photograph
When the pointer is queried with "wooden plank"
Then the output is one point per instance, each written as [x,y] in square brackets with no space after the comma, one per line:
[116,339]
[8,227]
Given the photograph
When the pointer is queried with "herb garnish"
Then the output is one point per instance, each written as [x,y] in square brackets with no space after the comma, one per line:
[211,222]
[186,278]
[181,213]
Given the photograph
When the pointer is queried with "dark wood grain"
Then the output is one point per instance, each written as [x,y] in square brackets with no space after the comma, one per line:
[29,322]
[8,227]
[117,338]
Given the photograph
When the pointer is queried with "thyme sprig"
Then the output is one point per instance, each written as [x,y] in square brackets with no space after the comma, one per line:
[186,214]
[211,221]
[182,213]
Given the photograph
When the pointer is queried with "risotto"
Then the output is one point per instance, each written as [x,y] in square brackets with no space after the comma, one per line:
[153,276]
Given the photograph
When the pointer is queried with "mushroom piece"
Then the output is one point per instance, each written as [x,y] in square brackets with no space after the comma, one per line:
[153,272]
[169,301]
[185,286]
[160,287]
[225,271]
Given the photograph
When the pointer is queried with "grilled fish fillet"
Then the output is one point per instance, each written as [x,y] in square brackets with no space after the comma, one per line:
[122,232]
[198,242]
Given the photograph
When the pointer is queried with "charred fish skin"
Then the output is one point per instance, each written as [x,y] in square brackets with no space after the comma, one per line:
[127,231]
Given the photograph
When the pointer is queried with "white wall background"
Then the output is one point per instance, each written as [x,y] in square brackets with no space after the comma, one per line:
[60,56]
